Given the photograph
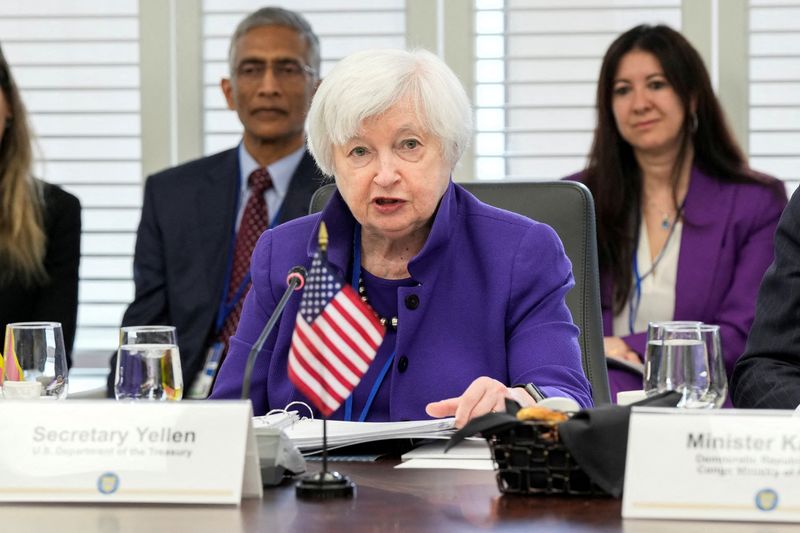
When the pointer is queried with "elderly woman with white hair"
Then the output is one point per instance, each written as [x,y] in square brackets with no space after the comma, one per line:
[475,293]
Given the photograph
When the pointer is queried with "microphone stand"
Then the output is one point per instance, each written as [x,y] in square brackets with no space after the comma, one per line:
[296,279]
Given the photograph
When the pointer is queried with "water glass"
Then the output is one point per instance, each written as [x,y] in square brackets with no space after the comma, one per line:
[148,364]
[694,365]
[34,361]
[653,355]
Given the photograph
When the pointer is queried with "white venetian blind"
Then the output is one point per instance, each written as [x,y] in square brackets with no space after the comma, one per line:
[537,63]
[775,89]
[343,27]
[77,67]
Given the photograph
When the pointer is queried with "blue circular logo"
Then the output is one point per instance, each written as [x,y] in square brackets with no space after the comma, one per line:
[108,483]
[766,499]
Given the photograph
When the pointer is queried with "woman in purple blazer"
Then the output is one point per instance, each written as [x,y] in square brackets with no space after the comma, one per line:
[684,226]
[476,293]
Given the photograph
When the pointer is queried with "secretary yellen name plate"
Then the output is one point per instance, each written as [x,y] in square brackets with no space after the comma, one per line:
[106,451]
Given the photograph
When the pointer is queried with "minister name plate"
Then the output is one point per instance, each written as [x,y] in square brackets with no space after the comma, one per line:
[731,464]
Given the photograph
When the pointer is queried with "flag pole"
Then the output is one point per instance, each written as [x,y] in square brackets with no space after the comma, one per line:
[325,485]
[323,250]
[324,446]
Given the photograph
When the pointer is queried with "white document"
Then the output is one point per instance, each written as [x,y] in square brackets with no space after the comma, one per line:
[730,464]
[449,464]
[466,449]
[107,451]
[470,454]
[306,433]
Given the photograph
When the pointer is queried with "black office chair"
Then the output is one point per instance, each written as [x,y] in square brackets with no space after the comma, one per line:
[568,208]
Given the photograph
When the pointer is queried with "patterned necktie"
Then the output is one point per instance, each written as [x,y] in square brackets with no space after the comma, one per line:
[255,220]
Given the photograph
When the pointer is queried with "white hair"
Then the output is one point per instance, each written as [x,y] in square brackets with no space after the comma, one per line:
[366,84]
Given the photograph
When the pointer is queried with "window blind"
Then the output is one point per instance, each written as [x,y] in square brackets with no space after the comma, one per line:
[77,66]
[774,137]
[343,27]
[537,63]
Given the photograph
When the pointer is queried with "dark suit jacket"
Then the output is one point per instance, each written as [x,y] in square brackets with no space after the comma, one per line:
[768,374]
[182,247]
[56,299]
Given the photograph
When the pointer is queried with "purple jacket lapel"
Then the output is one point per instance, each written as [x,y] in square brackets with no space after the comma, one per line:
[706,212]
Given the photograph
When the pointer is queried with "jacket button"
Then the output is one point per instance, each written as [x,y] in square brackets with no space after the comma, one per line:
[402,364]
[412,301]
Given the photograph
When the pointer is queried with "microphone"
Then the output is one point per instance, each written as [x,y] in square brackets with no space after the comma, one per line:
[295,280]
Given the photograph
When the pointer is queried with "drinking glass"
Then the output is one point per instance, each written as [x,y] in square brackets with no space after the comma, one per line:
[148,364]
[694,365]
[653,354]
[718,378]
[35,361]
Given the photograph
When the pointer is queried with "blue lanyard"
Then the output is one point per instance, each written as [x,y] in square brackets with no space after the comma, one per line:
[348,404]
[226,306]
[636,297]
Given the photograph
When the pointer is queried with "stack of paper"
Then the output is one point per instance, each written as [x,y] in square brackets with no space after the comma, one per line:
[470,454]
[306,434]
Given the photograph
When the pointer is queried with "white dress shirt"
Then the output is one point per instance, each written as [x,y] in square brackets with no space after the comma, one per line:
[281,172]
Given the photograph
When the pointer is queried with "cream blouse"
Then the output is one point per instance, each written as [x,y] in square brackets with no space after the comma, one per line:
[657,301]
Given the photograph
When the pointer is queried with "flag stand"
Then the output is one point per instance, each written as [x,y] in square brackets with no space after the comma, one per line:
[325,485]
[328,485]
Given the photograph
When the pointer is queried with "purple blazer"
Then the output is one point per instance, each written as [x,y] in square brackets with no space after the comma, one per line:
[490,289]
[726,246]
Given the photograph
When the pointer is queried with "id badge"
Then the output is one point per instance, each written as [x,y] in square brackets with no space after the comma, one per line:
[201,387]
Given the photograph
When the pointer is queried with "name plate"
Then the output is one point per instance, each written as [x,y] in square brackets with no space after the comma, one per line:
[106,451]
[732,464]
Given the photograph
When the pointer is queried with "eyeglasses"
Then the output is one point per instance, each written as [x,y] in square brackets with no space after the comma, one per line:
[284,70]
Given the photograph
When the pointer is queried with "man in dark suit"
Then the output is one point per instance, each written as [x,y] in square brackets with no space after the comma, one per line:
[191,259]
[768,374]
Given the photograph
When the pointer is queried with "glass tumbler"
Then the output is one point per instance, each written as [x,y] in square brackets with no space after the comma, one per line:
[148,364]
[34,361]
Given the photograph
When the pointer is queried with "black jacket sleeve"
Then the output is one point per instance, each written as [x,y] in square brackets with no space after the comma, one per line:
[57,300]
[768,374]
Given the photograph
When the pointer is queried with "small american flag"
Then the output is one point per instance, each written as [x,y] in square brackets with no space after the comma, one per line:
[336,337]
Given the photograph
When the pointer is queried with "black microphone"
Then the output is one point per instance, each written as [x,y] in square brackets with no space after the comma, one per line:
[295,279]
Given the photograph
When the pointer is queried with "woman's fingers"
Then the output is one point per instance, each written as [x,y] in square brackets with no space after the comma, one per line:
[483,395]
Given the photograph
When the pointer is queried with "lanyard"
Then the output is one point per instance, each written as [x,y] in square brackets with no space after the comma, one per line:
[636,297]
[348,404]
[226,306]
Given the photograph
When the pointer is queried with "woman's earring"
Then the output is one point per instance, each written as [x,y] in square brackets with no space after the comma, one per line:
[695,122]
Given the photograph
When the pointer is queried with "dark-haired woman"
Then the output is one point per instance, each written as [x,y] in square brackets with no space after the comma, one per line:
[684,226]
[40,229]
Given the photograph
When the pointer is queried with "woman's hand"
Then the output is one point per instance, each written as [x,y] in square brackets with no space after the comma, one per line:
[616,348]
[484,395]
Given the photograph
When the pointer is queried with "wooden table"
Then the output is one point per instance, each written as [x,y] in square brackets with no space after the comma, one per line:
[386,500]
[433,500]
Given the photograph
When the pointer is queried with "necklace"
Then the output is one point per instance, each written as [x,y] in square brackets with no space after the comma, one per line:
[390,323]
[668,218]
[666,221]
